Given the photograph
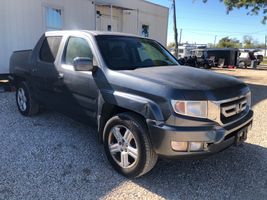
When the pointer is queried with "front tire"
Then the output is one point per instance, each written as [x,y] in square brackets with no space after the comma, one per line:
[27,106]
[127,145]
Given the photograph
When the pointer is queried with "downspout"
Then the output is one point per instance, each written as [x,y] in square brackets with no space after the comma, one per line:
[111,17]
[137,10]
[95,15]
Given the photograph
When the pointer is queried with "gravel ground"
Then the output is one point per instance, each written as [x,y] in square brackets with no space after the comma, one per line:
[52,157]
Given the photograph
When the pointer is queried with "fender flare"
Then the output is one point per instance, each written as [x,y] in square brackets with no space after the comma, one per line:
[141,105]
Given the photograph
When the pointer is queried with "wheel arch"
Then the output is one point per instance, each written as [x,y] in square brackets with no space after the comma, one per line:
[17,79]
[121,102]
[110,110]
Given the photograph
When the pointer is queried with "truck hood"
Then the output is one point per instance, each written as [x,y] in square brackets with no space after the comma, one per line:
[192,82]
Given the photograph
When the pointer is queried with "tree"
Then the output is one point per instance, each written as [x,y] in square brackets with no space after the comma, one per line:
[249,42]
[261,46]
[227,42]
[254,7]
[210,45]
[171,45]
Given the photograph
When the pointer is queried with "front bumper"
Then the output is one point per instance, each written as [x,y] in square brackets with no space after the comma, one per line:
[216,137]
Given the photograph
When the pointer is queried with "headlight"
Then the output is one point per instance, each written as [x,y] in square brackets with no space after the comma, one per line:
[191,108]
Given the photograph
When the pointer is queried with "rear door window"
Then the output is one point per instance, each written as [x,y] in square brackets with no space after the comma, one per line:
[49,49]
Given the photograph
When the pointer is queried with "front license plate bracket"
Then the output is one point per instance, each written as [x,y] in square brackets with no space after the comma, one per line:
[241,136]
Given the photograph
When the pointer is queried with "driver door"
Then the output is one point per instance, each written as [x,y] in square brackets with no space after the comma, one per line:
[79,90]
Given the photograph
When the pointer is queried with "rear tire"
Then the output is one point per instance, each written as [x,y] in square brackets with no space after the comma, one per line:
[127,145]
[241,64]
[27,106]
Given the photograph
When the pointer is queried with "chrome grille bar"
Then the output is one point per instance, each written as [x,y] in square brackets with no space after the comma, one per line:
[226,111]
[234,109]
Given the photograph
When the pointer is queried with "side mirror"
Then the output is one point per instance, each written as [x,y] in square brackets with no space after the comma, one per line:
[83,64]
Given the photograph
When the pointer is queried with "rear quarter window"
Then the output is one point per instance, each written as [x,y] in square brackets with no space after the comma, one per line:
[49,49]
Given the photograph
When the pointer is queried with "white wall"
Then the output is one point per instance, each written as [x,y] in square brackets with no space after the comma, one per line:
[149,14]
[105,18]
[22,23]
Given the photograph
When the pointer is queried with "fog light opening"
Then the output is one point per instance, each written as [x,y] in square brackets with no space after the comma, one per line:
[179,146]
[196,146]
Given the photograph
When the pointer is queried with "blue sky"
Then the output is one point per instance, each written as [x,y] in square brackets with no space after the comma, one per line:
[202,22]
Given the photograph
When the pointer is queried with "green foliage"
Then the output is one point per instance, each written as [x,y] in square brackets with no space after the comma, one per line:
[254,7]
[261,46]
[249,42]
[171,45]
[227,42]
[210,45]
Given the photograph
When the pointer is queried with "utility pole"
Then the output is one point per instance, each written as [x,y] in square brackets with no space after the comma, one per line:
[175,30]
[180,39]
[215,40]
[265,45]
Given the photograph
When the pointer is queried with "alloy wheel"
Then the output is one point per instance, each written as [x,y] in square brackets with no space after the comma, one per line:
[123,146]
[22,100]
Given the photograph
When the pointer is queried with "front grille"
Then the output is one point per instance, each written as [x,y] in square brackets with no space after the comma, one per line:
[233,110]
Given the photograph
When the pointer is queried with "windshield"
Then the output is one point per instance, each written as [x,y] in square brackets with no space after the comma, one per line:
[128,53]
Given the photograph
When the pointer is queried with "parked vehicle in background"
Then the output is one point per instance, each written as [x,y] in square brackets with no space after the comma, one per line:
[188,61]
[142,102]
[218,57]
[193,61]
[246,58]
[259,56]
[248,55]
[185,50]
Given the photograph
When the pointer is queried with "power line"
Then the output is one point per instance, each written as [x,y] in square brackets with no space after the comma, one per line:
[222,33]
[216,21]
[225,31]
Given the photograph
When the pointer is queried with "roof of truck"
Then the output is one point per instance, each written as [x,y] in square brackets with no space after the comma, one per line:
[94,33]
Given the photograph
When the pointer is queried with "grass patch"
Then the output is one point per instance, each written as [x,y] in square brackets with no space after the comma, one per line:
[264,62]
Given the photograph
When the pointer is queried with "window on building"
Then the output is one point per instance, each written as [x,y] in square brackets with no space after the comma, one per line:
[181,51]
[145,30]
[77,47]
[53,18]
[49,49]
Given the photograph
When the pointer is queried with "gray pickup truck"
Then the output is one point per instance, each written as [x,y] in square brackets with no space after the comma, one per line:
[143,103]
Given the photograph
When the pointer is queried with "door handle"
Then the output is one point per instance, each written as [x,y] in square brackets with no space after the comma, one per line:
[60,76]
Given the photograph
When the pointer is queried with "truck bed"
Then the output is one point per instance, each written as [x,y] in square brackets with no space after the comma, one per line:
[20,62]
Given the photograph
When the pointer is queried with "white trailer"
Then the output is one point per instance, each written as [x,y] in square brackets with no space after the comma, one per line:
[185,50]
[23,22]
